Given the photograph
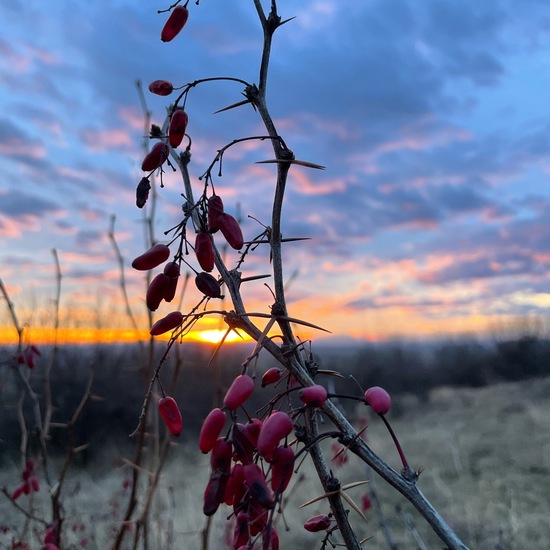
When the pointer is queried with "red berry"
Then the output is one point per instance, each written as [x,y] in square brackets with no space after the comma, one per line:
[275,428]
[142,192]
[315,396]
[204,251]
[318,523]
[161,87]
[171,290]
[51,534]
[152,258]
[273,543]
[240,390]
[156,291]
[255,481]
[172,271]
[178,124]
[215,209]
[156,157]
[35,484]
[282,467]
[379,399]
[208,285]
[235,485]
[170,322]
[29,358]
[271,376]
[238,492]
[174,24]
[214,492]
[171,415]
[244,448]
[211,428]
[258,517]
[220,459]
[241,533]
[17,493]
[231,230]
[253,428]
[366,502]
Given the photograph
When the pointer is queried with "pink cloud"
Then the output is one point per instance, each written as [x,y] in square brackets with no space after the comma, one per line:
[9,228]
[14,146]
[79,259]
[46,57]
[132,117]
[103,140]
[17,63]
[304,183]
[14,228]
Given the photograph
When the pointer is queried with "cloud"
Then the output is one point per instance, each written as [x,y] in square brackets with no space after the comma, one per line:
[16,144]
[19,204]
[107,139]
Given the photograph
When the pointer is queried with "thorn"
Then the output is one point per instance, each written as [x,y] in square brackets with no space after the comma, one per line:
[294,161]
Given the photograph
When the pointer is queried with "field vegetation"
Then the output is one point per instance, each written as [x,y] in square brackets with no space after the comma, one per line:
[483,450]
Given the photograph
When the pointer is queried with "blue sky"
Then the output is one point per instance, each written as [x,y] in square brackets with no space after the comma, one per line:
[431,117]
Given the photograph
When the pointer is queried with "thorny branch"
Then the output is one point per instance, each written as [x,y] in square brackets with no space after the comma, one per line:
[289,354]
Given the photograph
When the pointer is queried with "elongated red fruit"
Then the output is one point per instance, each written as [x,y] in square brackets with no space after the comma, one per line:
[314,396]
[235,485]
[271,376]
[152,258]
[253,427]
[178,124]
[155,157]
[379,399]
[241,532]
[171,415]
[244,448]
[156,291]
[211,428]
[220,458]
[208,285]
[318,523]
[161,87]
[174,24]
[215,209]
[231,230]
[258,517]
[214,492]
[172,271]
[239,391]
[273,539]
[282,467]
[142,192]
[204,251]
[255,481]
[170,322]
[277,426]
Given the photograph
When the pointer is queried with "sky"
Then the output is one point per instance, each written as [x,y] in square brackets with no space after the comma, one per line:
[432,118]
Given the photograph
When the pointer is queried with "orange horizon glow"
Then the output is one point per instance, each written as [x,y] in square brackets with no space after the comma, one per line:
[82,336]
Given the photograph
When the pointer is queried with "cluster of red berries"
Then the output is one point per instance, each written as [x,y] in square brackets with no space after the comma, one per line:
[164,285]
[51,538]
[251,466]
[28,356]
[29,483]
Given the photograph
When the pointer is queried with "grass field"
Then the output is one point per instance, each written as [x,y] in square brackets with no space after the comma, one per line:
[485,455]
